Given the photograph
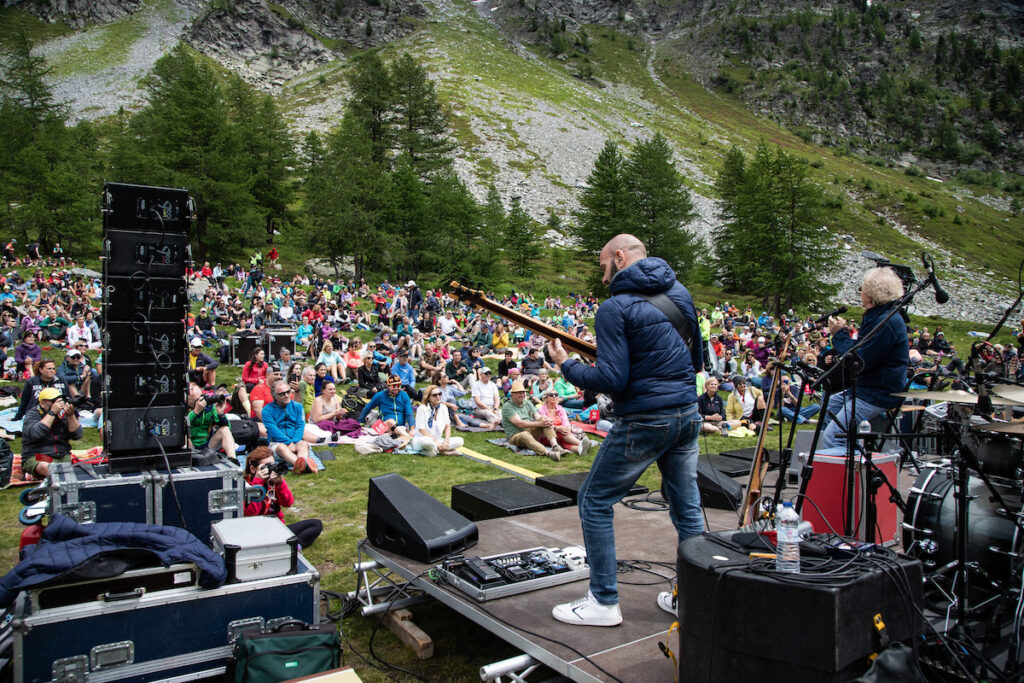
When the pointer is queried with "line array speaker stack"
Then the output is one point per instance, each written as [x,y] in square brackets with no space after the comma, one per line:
[145,302]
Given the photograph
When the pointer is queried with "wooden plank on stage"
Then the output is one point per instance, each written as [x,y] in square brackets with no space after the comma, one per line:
[526,474]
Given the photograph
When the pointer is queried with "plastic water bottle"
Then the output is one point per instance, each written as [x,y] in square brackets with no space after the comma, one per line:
[787,527]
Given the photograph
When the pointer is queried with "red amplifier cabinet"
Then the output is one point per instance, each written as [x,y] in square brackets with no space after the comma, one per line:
[827,486]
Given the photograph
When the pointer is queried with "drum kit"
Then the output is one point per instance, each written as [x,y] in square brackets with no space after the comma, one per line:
[964,517]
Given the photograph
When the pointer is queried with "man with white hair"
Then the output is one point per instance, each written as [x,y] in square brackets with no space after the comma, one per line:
[885,355]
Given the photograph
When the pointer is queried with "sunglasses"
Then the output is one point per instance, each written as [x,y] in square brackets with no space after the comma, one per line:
[435,395]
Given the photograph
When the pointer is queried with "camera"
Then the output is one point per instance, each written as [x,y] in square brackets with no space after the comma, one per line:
[278,468]
[213,397]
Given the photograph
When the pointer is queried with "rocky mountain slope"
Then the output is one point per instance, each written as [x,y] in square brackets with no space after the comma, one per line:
[536,87]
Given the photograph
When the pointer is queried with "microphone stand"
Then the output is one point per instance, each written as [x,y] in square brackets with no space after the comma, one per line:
[854,364]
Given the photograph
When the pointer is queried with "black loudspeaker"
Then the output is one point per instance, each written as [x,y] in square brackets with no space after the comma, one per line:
[569,485]
[159,343]
[130,252]
[503,498]
[152,209]
[137,429]
[406,520]
[717,490]
[143,384]
[741,625]
[138,298]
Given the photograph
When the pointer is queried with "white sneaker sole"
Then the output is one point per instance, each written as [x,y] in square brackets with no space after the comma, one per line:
[570,617]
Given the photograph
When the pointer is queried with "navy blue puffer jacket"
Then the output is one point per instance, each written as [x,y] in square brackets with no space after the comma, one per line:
[642,362]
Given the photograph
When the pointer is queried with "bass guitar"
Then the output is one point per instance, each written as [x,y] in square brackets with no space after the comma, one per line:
[570,342]
[749,512]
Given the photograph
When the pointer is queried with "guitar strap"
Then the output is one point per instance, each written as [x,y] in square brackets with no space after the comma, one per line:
[674,315]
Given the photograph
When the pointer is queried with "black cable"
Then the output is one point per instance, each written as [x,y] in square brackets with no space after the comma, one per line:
[630,566]
[174,489]
[648,504]
[396,592]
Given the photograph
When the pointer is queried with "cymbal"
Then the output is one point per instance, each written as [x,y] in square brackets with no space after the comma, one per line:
[1001,427]
[955,396]
[1009,391]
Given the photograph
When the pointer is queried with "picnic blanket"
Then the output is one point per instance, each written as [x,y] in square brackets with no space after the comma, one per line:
[468,428]
[515,449]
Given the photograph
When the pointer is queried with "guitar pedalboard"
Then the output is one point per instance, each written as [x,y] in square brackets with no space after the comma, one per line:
[498,576]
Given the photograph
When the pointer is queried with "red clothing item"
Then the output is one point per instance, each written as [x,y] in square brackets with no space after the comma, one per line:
[206,271]
[312,316]
[272,254]
[283,498]
[261,392]
[253,373]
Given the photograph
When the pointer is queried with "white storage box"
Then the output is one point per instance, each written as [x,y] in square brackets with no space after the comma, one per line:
[255,548]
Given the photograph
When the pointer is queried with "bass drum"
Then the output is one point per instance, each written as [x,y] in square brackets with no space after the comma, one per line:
[929,527]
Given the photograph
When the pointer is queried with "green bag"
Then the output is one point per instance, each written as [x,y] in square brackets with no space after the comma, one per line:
[290,649]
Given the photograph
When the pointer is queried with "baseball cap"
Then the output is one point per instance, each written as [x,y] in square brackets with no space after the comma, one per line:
[394,380]
[485,370]
[48,394]
[196,342]
[410,283]
[72,353]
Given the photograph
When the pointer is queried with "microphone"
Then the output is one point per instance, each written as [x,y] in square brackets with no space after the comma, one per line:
[940,294]
[835,311]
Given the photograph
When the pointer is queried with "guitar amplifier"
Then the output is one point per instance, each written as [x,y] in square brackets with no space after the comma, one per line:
[827,488]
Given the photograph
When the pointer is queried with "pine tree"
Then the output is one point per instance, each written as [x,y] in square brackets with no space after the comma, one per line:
[662,207]
[605,203]
[406,225]
[266,149]
[419,121]
[522,240]
[772,242]
[371,102]
[461,247]
[48,170]
[189,141]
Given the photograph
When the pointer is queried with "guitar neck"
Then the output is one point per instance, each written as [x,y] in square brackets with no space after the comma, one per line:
[570,342]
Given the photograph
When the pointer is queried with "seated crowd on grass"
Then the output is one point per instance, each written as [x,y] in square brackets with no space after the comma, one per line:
[352,340]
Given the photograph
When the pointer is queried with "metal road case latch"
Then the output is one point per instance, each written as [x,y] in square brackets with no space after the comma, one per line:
[71,669]
[83,512]
[226,500]
[235,628]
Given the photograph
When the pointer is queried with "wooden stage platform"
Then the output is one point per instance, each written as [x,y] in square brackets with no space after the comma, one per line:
[629,652]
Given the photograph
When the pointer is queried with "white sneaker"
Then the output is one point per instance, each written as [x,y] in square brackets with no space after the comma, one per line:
[584,446]
[587,611]
[667,602]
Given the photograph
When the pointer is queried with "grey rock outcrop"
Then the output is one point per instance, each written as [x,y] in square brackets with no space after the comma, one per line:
[78,13]
[257,43]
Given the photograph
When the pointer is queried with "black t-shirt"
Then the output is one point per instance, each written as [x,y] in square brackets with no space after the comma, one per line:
[710,405]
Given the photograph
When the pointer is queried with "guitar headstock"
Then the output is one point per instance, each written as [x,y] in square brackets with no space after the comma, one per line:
[464,294]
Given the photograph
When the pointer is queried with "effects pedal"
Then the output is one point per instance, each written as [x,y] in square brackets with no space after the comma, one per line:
[498,576]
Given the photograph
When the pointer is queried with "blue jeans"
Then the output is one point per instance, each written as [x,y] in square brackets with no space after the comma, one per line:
[840,404]
[806,413]
[667,437]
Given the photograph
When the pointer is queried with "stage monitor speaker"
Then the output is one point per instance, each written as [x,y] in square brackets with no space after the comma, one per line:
[404,519]
[142,207]
[743,625]
[717,490]
[503,498]
[138,342]
[136,430]
[129,252]
[131,385]
[569,485]
[138,298]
